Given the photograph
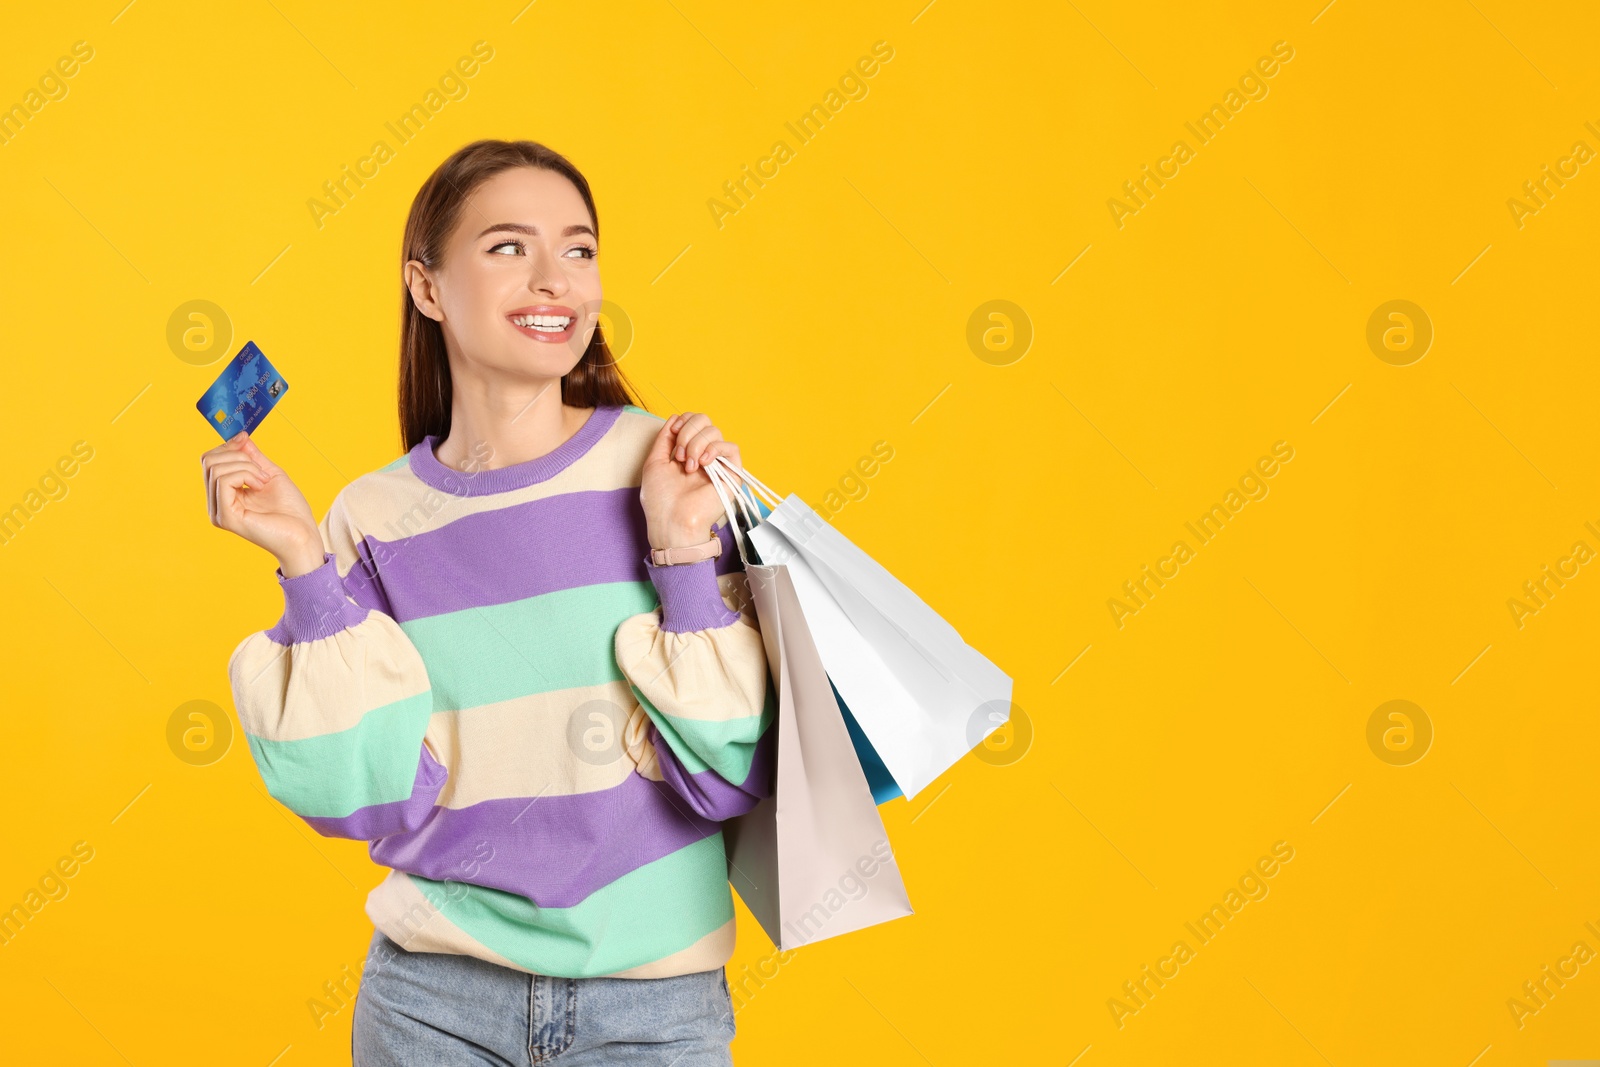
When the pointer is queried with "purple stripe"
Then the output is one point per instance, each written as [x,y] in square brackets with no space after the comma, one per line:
[363,583]
[495,557]
[707,792]
[553,850]
[400,816]
[314,605]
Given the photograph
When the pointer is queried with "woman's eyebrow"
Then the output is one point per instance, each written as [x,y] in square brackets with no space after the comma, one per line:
[533,231]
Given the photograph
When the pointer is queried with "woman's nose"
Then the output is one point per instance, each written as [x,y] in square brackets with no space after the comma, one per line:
[546,275]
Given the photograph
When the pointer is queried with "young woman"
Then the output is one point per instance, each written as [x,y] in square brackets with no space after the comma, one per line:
[520,659]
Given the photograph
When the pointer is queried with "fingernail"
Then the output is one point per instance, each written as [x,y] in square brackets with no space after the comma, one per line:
[691,466]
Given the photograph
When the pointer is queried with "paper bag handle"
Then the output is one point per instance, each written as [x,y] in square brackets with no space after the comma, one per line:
[722,482]
[763,490]
[741,493]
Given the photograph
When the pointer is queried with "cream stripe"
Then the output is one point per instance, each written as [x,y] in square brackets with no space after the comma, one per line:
[735,589]
[409,919]
[525,747]
[722,680]
[713,950]
[324,686]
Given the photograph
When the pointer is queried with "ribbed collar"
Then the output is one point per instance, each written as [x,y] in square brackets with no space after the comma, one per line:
[426,466]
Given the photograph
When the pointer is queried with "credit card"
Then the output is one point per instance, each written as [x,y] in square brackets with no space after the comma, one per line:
[240,398]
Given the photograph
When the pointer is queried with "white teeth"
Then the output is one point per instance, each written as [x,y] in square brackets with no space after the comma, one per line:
[543,323]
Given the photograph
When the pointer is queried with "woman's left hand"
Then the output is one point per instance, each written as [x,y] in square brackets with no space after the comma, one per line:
[680,503]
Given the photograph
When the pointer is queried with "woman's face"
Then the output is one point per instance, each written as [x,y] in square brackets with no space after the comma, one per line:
[519,289]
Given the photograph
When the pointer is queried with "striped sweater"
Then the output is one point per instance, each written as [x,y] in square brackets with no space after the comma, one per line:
[477,680]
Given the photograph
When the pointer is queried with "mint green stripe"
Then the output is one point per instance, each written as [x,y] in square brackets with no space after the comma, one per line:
[725,746]
[331,776]
[642,411]
[400,461]
[651,912]
[503,651]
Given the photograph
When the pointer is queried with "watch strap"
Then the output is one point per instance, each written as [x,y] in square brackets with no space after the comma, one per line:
[662,557]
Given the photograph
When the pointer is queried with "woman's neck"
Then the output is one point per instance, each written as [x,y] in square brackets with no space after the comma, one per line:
[497,428]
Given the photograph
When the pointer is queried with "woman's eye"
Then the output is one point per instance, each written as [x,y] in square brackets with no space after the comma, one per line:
[591,251]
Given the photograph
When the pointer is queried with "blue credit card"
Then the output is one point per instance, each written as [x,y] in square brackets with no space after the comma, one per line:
[240,398]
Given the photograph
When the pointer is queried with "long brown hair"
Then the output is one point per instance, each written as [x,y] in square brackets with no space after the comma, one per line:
[425,387]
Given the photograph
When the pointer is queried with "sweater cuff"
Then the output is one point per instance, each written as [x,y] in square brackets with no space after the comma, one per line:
[315,605]
[690,596]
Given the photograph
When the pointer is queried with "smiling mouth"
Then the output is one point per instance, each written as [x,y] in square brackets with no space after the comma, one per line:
[542,323]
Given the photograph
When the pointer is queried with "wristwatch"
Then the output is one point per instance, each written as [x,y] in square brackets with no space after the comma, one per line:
[711,549]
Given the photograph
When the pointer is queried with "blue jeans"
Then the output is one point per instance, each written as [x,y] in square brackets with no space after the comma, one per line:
[436,1009]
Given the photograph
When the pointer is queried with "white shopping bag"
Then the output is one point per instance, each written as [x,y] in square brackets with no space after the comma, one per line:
[921,694]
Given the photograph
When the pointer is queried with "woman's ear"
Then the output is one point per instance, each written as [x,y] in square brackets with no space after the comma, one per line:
[423,289]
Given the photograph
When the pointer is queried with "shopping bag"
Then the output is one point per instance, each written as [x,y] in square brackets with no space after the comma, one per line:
[813,860]
[922,696]
[879,780]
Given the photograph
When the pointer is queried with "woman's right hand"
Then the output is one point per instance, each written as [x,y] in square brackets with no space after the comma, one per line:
[248,494]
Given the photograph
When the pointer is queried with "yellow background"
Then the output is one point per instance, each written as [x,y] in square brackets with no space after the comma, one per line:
[829,313]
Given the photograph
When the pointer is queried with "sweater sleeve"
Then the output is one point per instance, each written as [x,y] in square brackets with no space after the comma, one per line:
[334,699]
[698,670]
